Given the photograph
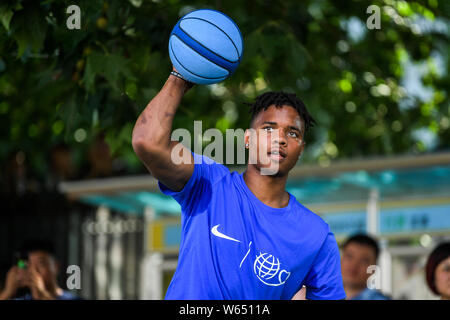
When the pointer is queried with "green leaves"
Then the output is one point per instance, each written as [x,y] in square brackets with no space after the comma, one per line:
[117,138]
[112,67]
[7,12]
[28,27]
[5,16]
[272,48]
[55,81]
[298,56]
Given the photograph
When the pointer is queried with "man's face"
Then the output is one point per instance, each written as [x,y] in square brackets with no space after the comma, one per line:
[44,264]
[356,258]
[278,141]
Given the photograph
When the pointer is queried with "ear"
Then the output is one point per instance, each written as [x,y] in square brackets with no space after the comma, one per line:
[247,139]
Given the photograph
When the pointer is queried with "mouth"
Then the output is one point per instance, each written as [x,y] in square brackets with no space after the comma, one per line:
[277,154]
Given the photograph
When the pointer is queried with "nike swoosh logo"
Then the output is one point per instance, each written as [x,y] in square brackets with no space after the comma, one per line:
[215,232]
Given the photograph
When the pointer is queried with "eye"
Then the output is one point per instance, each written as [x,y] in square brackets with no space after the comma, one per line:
[293,134]
[268,128]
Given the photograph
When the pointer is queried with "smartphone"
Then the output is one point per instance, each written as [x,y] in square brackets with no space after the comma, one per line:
[21,260]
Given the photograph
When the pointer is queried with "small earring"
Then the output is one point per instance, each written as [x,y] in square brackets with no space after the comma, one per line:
[246,145]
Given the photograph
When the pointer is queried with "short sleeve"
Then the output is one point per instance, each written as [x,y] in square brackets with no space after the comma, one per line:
[324,280]
[199,186]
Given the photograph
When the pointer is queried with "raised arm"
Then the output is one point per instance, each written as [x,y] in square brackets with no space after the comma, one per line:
[151,136]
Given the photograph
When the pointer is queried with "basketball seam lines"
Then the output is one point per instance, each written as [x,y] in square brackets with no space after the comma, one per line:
[205,48]
[174,55]
[208,50]
[223,14]
[234,45]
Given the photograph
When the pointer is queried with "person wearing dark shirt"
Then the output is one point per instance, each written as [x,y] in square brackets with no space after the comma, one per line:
[359,252]
[37,275]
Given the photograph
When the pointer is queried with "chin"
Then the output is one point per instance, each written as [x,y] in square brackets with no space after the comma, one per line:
[445,295]
[280,171]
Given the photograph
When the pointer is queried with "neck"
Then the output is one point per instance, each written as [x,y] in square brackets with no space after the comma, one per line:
[270,190]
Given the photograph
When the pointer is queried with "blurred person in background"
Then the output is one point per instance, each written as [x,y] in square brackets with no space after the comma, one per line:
[358,253]
[437,271]
[34,276]
[61,166]
[14,182]
[100,159]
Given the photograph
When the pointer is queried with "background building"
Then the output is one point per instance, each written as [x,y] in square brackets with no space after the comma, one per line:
[403,201]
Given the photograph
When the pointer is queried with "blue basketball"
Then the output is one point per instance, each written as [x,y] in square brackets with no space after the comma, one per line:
[205,46]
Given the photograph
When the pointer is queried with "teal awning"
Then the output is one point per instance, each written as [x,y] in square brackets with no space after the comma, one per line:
[135,202]
[354,186]
[347,186]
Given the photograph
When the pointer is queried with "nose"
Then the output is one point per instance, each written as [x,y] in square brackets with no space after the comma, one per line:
[280,138]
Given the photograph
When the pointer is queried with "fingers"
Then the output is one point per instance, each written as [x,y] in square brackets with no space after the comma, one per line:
[14,268]
[33,271]
[32,275]
[13,271]
[11,283]
[13,276]
[37,285]
[36,279]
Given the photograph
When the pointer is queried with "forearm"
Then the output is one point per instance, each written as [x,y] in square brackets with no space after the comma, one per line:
[6,295]
[154,125]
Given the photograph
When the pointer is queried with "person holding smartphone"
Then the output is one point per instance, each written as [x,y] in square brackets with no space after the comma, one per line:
[36,270]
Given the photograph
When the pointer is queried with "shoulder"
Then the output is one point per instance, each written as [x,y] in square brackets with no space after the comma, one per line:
[68,296]
[371,294]
[313,228]
[208,168]
[377,295]
[311,218]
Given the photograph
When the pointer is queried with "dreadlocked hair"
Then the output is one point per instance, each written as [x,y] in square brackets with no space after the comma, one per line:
[279,99]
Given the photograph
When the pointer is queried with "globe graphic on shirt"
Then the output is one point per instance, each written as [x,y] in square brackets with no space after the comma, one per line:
[266,266]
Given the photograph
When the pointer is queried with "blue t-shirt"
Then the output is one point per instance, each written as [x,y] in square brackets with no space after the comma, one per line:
[233,246]
[370,294]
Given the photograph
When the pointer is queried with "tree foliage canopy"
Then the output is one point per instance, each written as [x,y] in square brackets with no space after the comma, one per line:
[372,92]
